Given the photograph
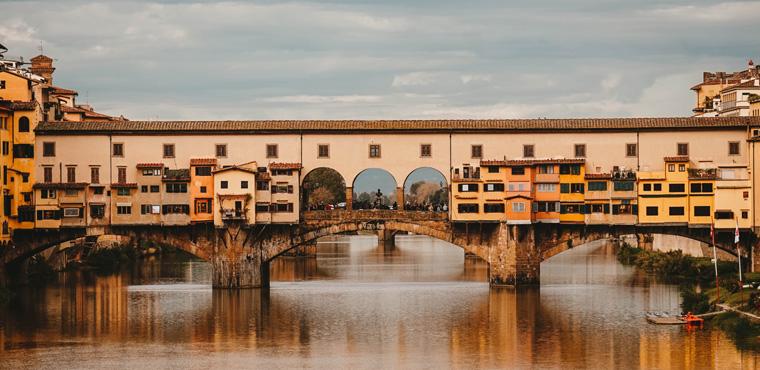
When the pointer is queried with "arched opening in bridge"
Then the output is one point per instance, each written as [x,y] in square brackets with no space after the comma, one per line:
[323,189]
[375,188]
[425,189]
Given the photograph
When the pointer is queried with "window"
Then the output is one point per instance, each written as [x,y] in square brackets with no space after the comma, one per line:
[282,189]
[570,169]
[476,151]
[546,188]
[546,169]
[623,185]
[24,177]
[47,174]
[71,212]
[123,210]
[117,150]
[580,150]
[176,209]
[493,187]
[2,84]
[564,188]
[733,148]
[203,189]
[203,206]
[631,150]
[624,209]
[6,147]
[467,208]
[262,185]
[681,167]
[262,207]
[657,187]
[168,150]
[144,189]
[671,167]
[374,150]
[570,208]
[577,188]
[23,124]
[221,150]
[528,151]
[597,186]
[745,195]
[493,169]
[71,174]
[323,151]
[176,187]
[224,184]
[745,214]
[547,206]
[652,211]
[47,193]
[468,188]
[97,210]
[682,148]
[701,211]
[282,172]
[48,214]
[599,208]
[48,149]
[148,209]
[203,171]
[426,150]
[97,191]
[271,150]
[151,172]
[95,175]
[724,215]
[701,187]
[71,192]
[518,207]
[676,188]
[23,151]
[122,175]
[518,170]
[282,207]
[244,184]
[123,191]
[676,211]
[493,208]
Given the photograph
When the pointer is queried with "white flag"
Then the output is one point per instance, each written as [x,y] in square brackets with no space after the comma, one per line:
[736,233]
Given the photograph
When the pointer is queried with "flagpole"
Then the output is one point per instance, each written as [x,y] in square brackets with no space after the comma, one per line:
[739,253]
[715,261]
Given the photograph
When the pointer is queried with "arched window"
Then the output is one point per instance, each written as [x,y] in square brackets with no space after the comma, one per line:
[23,124]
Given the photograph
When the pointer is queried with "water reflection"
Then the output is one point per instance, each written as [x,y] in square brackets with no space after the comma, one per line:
[418,304]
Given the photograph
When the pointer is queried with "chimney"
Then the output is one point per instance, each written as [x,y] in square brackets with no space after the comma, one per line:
[42,65]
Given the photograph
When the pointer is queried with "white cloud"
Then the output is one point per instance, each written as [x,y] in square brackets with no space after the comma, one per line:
[475,78]
[611,81]
[414,79]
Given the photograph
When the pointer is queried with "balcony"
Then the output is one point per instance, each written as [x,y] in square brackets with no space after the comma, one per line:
[734,104]
[703,173]
[233,214]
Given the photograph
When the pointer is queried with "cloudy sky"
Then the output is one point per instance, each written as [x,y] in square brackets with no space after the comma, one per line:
[384,59]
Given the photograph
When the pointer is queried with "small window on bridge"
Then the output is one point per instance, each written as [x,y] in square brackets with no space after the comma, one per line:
[657,187]
[426,150]
[476,151]
[676,211]
[529,151]
[652,211]
[469,188]
[701,211]
[493,208]
[493,187]
[676,188]
[374,150]
[597,186]
[733,148]
[323,151]
[518,170]
[467,208]
[724,215]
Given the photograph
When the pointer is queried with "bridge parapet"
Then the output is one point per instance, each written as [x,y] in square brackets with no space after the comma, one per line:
[373,215]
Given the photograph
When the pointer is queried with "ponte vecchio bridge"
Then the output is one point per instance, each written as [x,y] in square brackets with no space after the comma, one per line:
[517,191]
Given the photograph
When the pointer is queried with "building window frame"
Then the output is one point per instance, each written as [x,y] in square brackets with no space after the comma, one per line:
[117,150]
[169,150]
[220,150]
[734,148]
[323,150]
[476,151]
[579,150]
[272,151]
[682,149]
[529,150]
[631,150]
[375,151]
[426,150]
[48,148]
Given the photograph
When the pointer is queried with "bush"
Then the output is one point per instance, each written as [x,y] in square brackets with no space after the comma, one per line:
[693,301]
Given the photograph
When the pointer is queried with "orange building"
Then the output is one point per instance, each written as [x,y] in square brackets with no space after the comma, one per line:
[202,189]
[546,192]
[519,194]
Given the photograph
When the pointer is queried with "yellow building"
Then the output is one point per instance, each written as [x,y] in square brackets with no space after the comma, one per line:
[663,197]
[466,194]
[701,196]
[597,200]
[202,189]
[572,185]
[754,106]
[733,197]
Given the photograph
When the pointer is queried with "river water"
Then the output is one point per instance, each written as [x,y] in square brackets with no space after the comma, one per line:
[357,304]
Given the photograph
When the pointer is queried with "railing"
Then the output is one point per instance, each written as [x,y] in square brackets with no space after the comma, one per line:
[233,214]
[703,173]
[726,105]
[373,214]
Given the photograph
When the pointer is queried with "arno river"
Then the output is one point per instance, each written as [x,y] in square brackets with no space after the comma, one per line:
[420,304]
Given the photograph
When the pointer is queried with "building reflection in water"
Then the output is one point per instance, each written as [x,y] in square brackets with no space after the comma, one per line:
[420,303]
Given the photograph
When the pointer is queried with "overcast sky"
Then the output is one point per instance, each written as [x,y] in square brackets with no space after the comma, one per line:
[384,59]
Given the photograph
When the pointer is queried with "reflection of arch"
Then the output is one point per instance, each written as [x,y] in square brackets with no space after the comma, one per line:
[435,198]
[365,187]
[321,187]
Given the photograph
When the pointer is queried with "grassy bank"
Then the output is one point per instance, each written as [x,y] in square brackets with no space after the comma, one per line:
[741,330]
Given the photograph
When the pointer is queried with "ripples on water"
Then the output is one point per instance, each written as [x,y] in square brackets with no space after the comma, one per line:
[420,304]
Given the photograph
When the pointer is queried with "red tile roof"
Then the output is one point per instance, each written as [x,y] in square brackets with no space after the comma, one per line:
[468,125]
[131,185]
[678,158]
[60,90]
[285,166]
[150,165]
[16,105]
[203,161]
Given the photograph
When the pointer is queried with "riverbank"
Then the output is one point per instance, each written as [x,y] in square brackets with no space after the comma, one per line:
[696,277]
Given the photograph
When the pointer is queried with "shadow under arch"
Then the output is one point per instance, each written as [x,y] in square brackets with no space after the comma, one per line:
[426,188]
[374,188]
[323,188]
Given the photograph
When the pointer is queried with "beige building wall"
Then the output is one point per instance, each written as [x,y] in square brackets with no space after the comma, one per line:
[706,148]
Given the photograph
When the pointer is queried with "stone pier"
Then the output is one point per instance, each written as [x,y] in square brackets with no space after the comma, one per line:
[236,263]
[514,258]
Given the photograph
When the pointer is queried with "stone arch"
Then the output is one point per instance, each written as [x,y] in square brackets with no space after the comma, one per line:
[364,188]
[329,179]
[564,241]
[431,195]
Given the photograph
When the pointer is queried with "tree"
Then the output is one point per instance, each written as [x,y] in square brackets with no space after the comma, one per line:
[324,185]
